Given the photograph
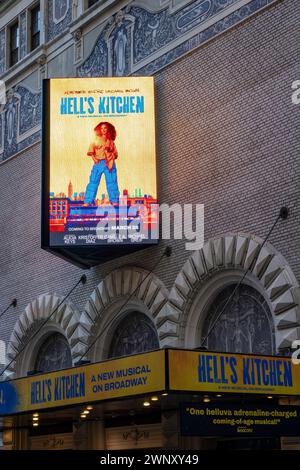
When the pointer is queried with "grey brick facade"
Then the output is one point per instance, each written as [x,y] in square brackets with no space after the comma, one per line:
[227,138]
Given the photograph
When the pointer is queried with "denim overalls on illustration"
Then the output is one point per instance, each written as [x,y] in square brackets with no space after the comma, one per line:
[110,179]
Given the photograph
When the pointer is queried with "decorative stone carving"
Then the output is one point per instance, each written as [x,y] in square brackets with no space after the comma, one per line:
[78,43]
[153,31]
[75,9]
[60,9]
[42,62]
[11,113]
[20,120]
[201,36]
[30,110]
[77,35]
[59,17]
[120,47]
[97,62]
[137,40]
[66,317]
[238,251]
[119,285]
[119,17]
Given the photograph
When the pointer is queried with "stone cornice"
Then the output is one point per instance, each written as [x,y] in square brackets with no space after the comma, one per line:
[7,4]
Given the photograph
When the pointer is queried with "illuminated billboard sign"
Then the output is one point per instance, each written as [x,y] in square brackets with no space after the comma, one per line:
[232,373]
[168,371]
[116,378]
[99,164]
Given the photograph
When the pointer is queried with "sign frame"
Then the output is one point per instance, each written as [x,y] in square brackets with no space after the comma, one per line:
[36,386]
[215,388]
[80,255]
[166,378]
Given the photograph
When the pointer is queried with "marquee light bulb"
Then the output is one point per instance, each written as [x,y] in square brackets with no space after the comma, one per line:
[154,398]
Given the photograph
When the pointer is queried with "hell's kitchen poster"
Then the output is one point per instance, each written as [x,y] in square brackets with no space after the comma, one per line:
[101,156]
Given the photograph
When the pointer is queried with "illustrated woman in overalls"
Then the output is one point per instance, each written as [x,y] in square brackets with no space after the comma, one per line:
[104,153]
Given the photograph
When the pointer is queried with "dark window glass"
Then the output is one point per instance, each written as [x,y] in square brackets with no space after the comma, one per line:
[35,27]
[92,2]
[242,323]
[14,43]
[134,334]
[54,354]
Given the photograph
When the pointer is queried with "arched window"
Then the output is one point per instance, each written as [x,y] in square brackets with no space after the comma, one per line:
[54,354]
[134,334]
[245,326]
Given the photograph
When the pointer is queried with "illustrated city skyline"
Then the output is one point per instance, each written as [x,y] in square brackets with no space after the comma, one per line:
[79,196]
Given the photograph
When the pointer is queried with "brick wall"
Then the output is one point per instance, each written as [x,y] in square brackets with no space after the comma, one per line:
[227,138]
